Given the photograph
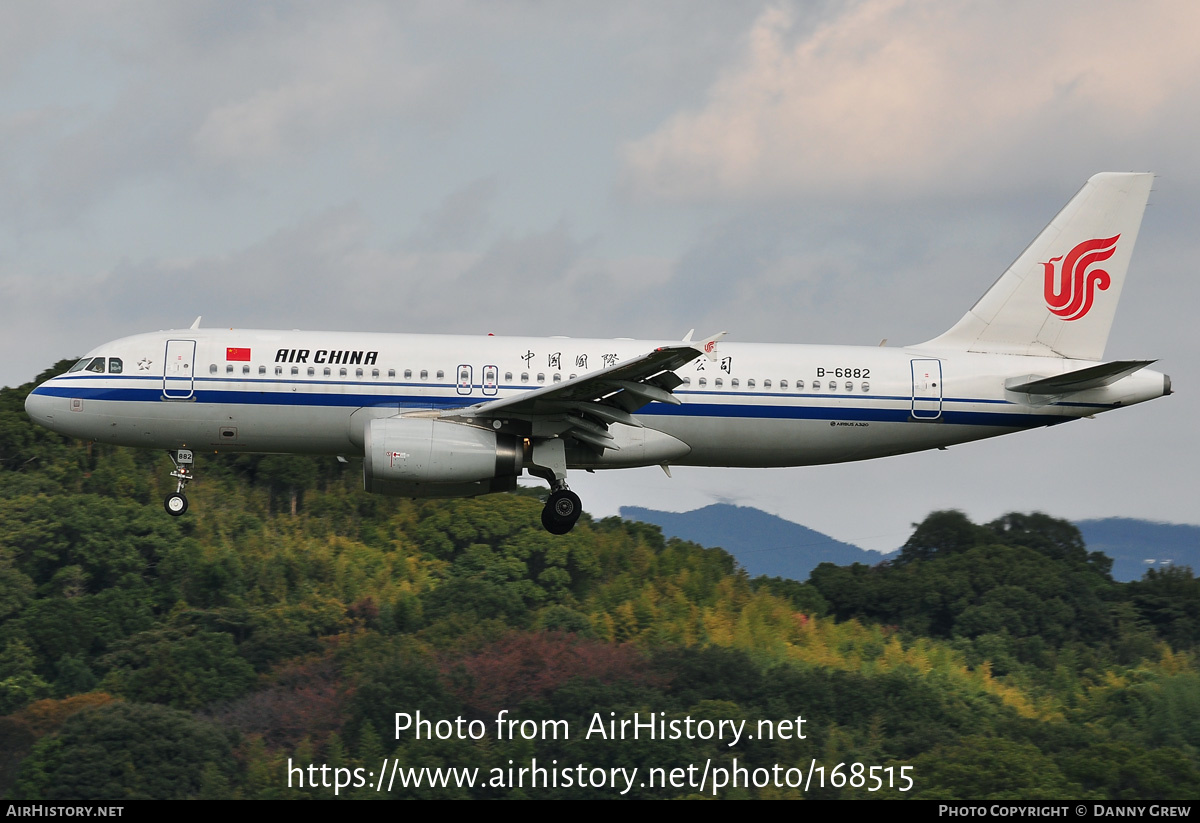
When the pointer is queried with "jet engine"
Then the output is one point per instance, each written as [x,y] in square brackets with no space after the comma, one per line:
[426,457]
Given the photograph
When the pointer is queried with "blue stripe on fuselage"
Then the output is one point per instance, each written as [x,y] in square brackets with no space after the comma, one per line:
[693,409]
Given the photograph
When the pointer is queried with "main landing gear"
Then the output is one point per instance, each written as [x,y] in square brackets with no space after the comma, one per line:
[562,511]
[548,460]
[177,502]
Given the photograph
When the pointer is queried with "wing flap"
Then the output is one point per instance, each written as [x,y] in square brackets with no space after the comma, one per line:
[648,391]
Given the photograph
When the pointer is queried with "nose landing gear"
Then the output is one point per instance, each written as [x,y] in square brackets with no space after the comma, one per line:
[177,502]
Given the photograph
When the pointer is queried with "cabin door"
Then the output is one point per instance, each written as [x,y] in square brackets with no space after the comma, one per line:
[179,366]
[926,389]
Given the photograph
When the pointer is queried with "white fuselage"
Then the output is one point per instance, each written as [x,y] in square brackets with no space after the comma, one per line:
[753,405]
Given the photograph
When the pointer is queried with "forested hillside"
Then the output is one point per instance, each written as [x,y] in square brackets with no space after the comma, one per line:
[288,617]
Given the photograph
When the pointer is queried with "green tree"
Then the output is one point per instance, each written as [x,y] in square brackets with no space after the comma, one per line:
[989,768]
[288,476]
[127,751]
[19,684]
[183,668]
[1169,600]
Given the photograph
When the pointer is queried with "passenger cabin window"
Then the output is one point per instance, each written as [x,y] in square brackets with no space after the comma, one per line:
[783,384]
[328,372]
[295,369]
[408,374]
[441,375]
[311,371]
[424,374]
[212,369]
[557,377]
[720,382]
[229,368]
[262,369]
[391,372]
[866,386]
[702,381]
[849,386]
[524,377]
[799,384]
[750,383]
[358,372]
[115,366]
[341,372]
[734,382]
[766,384]
[278,370]
[245,369]
[687,381]
[508,377]
[374,372]
[816,385]
[541,378]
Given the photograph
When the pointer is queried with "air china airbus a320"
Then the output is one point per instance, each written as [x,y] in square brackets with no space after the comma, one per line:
[458,416]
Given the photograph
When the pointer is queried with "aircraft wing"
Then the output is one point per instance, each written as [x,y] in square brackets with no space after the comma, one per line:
[584,406]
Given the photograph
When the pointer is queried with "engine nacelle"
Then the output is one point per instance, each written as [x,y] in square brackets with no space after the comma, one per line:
[426,457]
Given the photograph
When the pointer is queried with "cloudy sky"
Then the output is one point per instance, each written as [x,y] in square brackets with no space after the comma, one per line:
[793,172]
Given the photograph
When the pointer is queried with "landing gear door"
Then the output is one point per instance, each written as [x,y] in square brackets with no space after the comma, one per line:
[179,369]
[926,389]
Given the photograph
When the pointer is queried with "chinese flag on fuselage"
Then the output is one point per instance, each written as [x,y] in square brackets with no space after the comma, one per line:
[237,354]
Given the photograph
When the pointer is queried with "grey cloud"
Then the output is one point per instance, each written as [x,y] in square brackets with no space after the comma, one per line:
[888,97]
[458,221]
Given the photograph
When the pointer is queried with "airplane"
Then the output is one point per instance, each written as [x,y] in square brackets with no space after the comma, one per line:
[459,416]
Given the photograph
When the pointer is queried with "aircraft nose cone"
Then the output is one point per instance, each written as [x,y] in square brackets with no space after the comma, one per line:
[40,407]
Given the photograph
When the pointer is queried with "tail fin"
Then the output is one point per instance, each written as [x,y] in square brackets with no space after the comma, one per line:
[1059,297]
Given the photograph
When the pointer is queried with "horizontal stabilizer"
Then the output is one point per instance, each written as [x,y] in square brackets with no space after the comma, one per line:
[1093,377]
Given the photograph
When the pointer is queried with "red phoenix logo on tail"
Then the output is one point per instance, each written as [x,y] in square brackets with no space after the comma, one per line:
[1071,296]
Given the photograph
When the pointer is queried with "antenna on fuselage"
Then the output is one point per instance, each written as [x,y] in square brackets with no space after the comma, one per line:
[196,322]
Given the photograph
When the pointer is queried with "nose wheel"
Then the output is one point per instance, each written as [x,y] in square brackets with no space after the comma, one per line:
[562,511]
[177,502]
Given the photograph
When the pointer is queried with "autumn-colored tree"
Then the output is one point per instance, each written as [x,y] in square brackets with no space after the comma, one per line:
[523,666]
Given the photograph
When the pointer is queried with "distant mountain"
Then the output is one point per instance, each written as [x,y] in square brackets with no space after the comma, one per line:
[1132,544]
[761,542]
[770,545]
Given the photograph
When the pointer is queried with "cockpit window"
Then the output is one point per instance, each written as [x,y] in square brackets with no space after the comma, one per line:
[79,366]
[115,366]
[97,365]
